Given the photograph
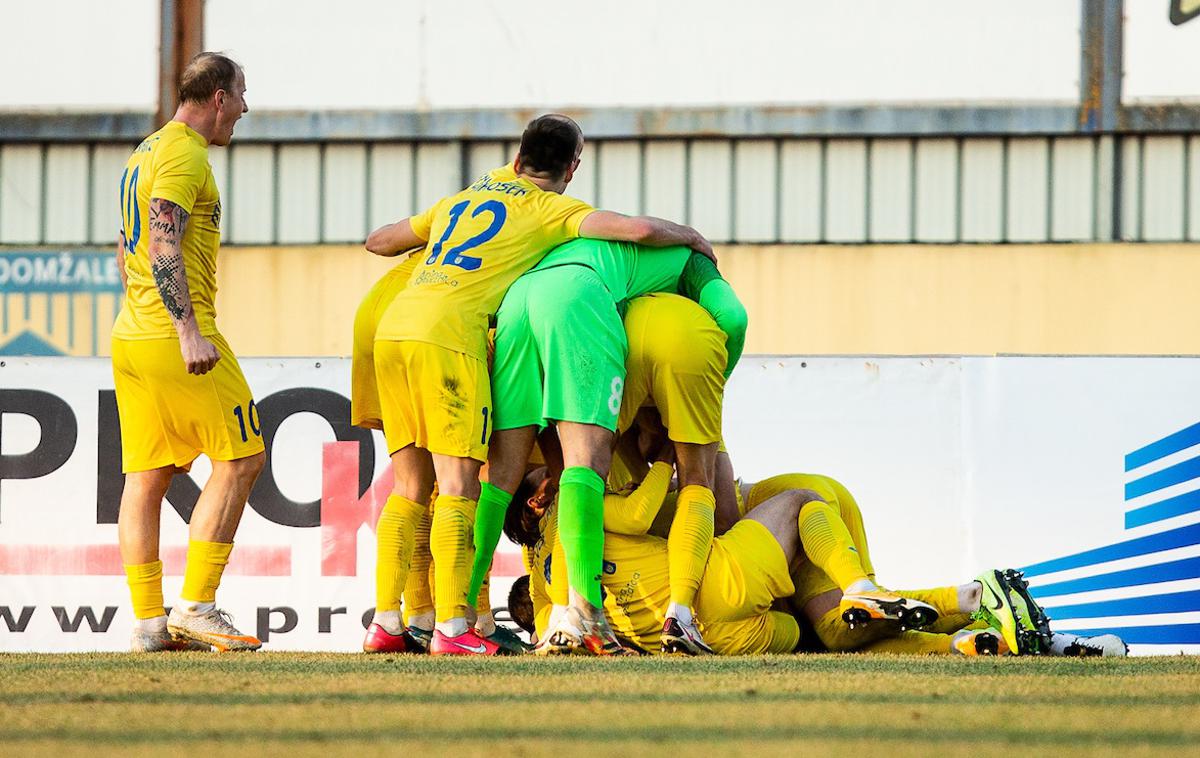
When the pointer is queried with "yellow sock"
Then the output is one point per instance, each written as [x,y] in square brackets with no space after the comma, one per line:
[828,545]
[560,586]
[418,591]
[205,564]
[689,541]
[145,588]
[453,546]
[952,623]
[483,603]
[838,637]
[395,535]
[912,643]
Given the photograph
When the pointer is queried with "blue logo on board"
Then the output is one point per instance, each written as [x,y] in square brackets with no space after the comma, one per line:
[1153,507]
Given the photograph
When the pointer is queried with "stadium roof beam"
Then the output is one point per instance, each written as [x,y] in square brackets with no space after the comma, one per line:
[625,123]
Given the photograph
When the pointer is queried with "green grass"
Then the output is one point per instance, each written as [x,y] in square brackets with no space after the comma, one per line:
[320,704]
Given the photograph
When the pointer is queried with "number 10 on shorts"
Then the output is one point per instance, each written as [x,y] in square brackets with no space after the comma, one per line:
[249,414]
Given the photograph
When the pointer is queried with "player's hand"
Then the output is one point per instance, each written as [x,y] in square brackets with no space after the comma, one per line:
[199,355]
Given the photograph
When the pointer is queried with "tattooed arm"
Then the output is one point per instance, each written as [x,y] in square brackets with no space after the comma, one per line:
[167,222]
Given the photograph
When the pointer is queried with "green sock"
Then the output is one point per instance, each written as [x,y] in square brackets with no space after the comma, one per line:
[489,522]
[581,529]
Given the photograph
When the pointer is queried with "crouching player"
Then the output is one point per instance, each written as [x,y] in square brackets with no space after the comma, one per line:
[561,358]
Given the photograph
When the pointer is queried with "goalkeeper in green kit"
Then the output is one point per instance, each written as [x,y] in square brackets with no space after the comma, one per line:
[560,359]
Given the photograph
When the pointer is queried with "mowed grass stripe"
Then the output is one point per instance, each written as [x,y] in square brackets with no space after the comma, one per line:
[147,704]
[226,699]
[333,663]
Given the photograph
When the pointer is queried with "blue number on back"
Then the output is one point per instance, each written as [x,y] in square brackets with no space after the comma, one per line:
[129,210]
[455,212]
[454,256]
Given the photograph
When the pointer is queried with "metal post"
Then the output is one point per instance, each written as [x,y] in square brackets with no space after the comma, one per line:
[181,37]
[1101,70]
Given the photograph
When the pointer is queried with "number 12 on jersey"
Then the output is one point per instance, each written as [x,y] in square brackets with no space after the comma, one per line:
[454,256]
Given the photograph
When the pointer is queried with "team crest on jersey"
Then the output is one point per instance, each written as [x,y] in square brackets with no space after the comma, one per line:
[610,568]
[216,215]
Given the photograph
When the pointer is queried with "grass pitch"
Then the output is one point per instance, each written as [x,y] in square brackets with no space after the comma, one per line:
[327,705]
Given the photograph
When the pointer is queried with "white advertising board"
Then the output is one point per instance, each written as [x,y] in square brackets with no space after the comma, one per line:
[1160,56]
[1082,470]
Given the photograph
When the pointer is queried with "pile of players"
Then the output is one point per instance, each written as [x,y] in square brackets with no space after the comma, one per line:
[611,333]
[597,411]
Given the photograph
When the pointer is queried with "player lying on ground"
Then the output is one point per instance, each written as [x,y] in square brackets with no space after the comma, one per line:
[749,570]
[430,353]
[180,391]
[753,566]
[561,354]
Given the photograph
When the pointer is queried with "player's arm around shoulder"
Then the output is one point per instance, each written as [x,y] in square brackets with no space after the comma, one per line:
[393,239]
[404,235]
[168,220]
[644,230]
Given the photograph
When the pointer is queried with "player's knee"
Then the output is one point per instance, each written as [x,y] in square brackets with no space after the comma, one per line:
[696,463]
[694,476]
[247,469]
[459,481]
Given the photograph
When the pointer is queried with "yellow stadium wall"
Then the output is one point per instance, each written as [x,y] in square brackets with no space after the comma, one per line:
[803,299]
[886,299]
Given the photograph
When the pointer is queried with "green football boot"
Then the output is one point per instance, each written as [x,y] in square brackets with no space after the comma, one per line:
[1007,607]
[509,642]
[1033,631]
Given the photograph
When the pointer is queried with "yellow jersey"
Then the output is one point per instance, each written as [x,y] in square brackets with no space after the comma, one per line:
[636,577]
[481,240]
[636,573]
[537,561]
[171,164]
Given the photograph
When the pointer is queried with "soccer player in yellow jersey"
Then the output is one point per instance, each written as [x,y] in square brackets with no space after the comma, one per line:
[677,363]
[760,561]
[430,346]
[416,589]
[180,392]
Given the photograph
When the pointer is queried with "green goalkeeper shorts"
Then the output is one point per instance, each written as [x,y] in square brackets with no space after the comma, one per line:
[560,351]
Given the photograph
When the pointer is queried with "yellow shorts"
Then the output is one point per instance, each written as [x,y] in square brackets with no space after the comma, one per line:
[770,632]
[676,362]
[746,572]
[434,398]
[169,417]
[833,492]
[364,393]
